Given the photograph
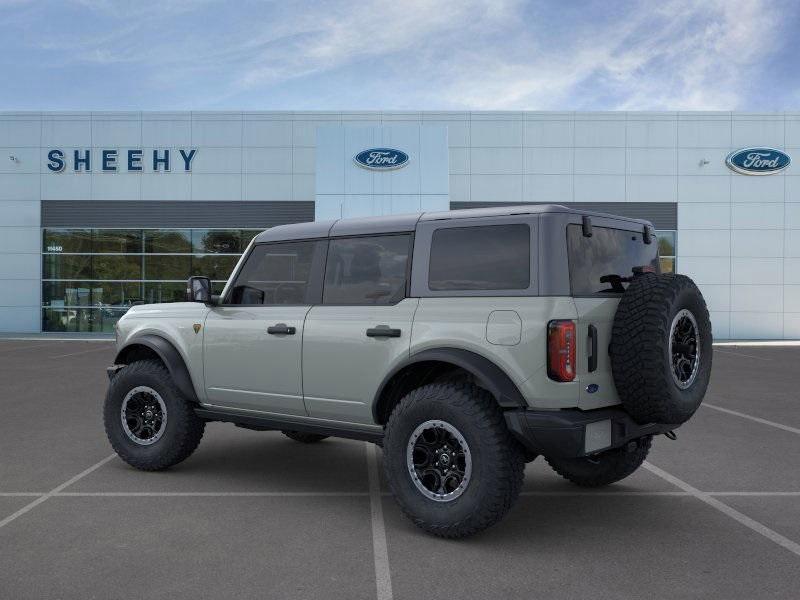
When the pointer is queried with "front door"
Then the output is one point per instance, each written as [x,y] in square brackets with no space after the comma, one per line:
[253,340]
[362,328]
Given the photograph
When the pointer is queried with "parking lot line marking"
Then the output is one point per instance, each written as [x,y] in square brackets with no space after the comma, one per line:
[211,494]
[77,353]
[54,491]
[752,418]
[755,494]
[734,514]
[742,354]
[761,343]
[587,493]
[20,494]
[383,577]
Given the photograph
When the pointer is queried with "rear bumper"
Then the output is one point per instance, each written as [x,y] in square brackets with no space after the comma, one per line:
[571,433]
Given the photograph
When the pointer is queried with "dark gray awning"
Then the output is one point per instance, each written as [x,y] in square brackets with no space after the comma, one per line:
[183,213]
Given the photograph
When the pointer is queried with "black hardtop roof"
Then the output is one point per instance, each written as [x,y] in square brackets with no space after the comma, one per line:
[408,222]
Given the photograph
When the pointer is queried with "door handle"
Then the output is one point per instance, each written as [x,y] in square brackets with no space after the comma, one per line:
[592,348]
[281,329]
[383,331]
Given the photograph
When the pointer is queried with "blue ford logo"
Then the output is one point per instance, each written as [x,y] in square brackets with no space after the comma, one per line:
[381,159]
[758,161]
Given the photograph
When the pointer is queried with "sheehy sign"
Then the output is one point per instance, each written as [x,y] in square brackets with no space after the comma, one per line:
[111,161]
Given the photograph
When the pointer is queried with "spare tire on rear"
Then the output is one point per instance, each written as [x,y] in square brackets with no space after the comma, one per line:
[661,348]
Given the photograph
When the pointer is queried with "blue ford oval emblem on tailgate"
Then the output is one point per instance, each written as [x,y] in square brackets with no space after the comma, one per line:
[381,159]
[758,161]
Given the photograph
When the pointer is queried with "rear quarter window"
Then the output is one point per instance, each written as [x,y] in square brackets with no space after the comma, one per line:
[598,265]
[483,257]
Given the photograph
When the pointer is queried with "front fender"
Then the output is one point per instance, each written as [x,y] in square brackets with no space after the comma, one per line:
[169,355]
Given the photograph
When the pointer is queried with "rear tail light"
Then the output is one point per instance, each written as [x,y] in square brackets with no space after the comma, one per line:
[561,350]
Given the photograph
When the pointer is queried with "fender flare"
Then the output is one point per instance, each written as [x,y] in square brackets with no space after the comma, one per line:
[489,375]
[170,356]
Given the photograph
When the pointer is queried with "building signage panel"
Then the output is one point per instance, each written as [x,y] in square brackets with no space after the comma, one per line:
[758,161]
[134,160]
[381,159]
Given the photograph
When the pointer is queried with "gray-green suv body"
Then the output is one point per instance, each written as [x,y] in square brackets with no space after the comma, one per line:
[463,342]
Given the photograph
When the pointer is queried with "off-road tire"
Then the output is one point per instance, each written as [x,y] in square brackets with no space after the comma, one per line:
[183,430]
[305,438]
[497,458]
[604,468]
[640,358]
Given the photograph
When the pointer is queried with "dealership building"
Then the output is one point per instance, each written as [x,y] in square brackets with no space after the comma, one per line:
[101,210]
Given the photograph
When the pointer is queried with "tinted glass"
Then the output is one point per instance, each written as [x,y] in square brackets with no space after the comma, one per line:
[167,267]
[67,240]
[226,241]
[214,266]
[117,267]
[366,270]
[667,265]
[90,293]
[117,240]
[666,243]
[155,292]
[168,241]
[492,257]
[81,319]
[66,266]
[247,235]
[609,255]
[275,274]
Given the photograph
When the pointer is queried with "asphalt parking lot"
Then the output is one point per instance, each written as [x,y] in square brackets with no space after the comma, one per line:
[715,514]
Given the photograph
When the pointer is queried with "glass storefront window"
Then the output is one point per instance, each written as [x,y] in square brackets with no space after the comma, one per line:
[156,292]
[247,236]
[214,266]
[167,266]
[59,294]
[115,266]
[91,277]
[67,240]
[118,241]
[223,241]
[666,243]
[89,320]
[67,266]
[168,241]
[666,250]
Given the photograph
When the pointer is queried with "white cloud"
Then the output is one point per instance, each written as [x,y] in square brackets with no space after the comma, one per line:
[684,56]
[469,54]
[327,38]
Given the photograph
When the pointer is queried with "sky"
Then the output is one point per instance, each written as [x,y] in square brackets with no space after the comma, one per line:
[396,55]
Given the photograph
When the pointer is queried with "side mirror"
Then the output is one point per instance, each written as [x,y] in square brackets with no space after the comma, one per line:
[198,289]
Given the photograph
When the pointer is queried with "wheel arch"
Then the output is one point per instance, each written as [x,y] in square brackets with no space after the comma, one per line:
[155,346]
[428,365]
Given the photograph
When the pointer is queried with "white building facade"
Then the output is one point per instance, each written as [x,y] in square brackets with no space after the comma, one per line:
[102,210]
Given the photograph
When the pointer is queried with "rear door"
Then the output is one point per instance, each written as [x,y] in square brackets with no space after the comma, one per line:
[361,329]
[599,264]
[253,341]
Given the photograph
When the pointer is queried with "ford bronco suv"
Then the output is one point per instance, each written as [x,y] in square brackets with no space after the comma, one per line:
[465,343]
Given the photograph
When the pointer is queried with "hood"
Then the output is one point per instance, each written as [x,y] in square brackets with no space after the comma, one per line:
[166,310]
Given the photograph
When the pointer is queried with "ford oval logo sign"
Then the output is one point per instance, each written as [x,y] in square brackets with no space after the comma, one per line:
[758,161]
[381,159]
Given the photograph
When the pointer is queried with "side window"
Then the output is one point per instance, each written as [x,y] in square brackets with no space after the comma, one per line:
[366,270]
[276,274]
[485,257]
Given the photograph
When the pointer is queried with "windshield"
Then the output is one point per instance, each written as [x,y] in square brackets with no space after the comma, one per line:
[605,262]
